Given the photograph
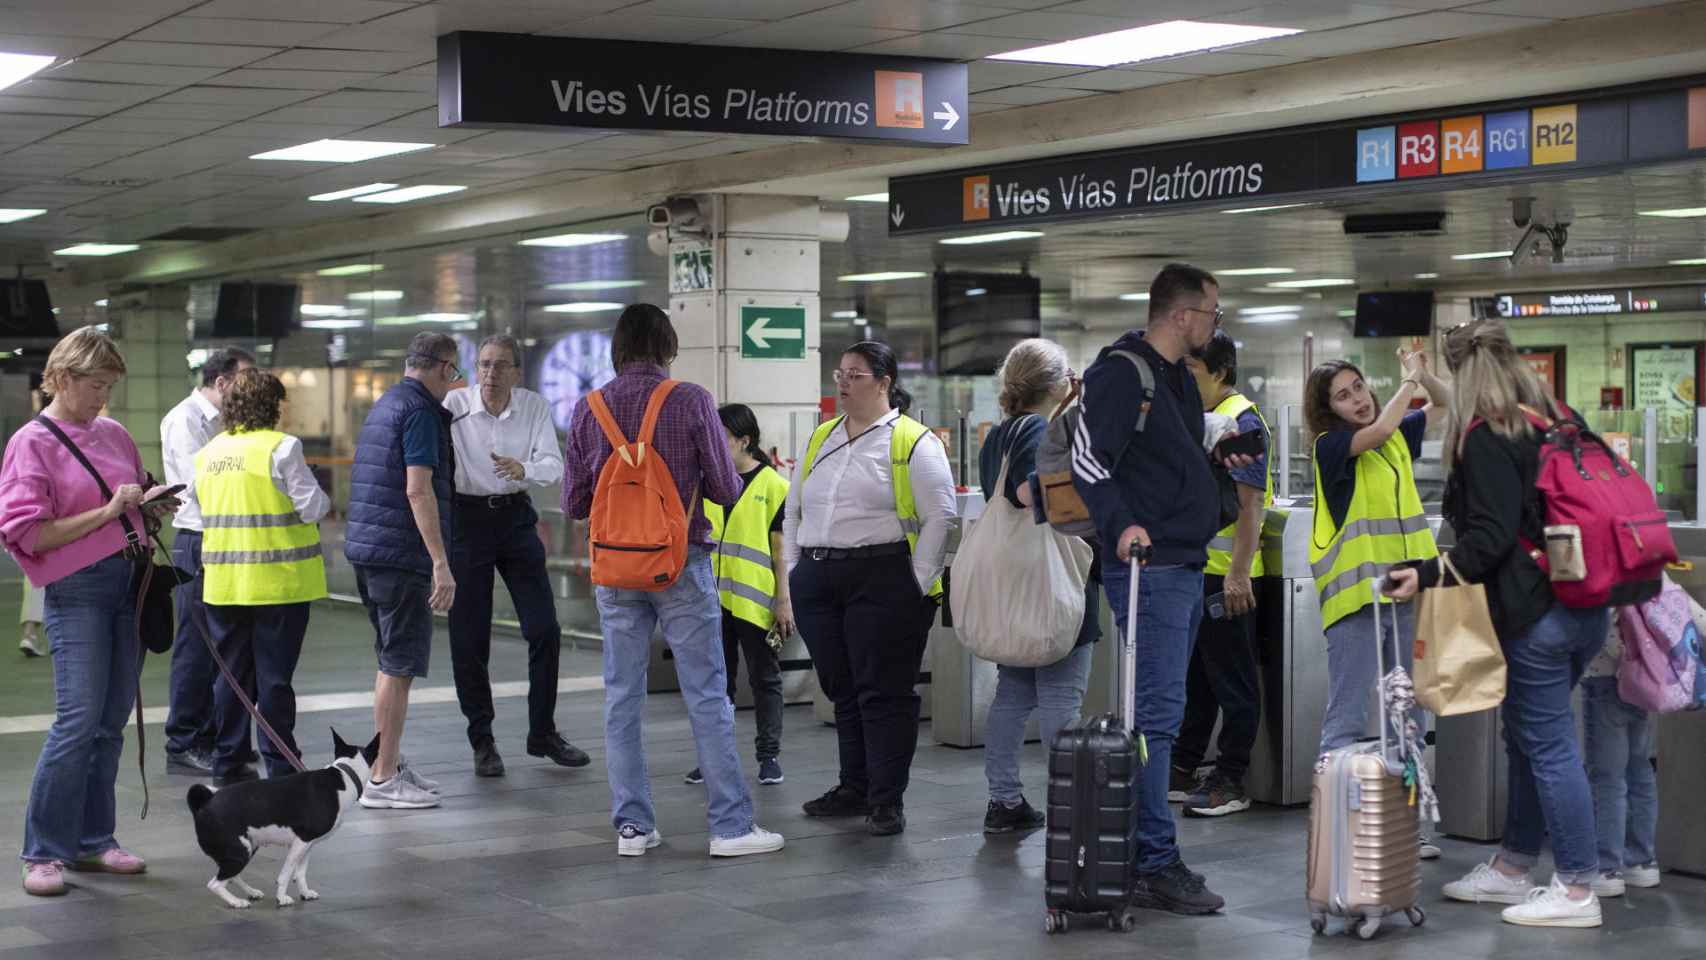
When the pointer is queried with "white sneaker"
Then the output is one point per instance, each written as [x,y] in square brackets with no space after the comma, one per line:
[1552,907]
[409,774]
[1608,884]
[1487,885]
[27,646]
[759,840]
[397,793]
[1643,877]
[630,842]
[1428,849]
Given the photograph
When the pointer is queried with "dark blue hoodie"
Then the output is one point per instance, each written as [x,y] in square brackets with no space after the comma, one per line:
[1158,479]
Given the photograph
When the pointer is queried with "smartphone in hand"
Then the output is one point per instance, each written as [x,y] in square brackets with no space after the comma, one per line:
[1251,444]
[159,494]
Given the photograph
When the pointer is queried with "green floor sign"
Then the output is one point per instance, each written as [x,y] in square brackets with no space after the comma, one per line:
[772,333]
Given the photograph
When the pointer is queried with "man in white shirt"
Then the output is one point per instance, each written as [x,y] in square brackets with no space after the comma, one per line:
[183,432]
[504,441]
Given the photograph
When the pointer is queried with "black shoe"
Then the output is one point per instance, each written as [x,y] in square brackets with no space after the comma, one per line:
[242,774]
[838,802]
[1002,819]
[1181,783]
[487,762]
[693,778]
[885,820]
[559,751]
[1176,889]
[193,762]
[1218,796]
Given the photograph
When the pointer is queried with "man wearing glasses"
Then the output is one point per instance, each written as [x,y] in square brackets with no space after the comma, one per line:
[396,539]
[504,442]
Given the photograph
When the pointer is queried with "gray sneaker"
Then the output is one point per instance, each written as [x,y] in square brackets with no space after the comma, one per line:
[409,773]
[397,793]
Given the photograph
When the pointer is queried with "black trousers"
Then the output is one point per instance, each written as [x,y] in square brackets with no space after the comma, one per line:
[1221,680]
[763,677]
[505,541]
[865,623]
[189,715]
[261,645]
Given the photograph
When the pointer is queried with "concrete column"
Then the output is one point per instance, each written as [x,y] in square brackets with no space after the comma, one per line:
[766,255]
[149,327]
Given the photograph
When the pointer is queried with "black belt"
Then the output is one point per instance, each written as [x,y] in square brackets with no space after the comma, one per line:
[856,553]
[498,502]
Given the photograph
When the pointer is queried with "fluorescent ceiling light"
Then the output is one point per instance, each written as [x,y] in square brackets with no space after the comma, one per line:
[1000,237]
[329,323]
[845,314]
[880,277]
[1678,213]
[1308,284]
[17,66]
[1488,255]
[352,192]
[977,291]
[443,317]
[590,306]
[1262,311]
[1427,276]
[95,249]
[13,214]
[375,295]
[341,151]
[1269,318]
[330,310]
[573,239]
[596,285]
[1696,262]
[418,192]
[101,302]
[1277,206]
[1146,43]
[415,319]
[1254,272]
[869,198]
[1134,296]
[1346,313]
[350,270]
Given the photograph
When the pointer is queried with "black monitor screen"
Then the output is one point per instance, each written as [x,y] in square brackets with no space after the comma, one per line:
[980,316]
[264,311]
[1395,313]
[25,310]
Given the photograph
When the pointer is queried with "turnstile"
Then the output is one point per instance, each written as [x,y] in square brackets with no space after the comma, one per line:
[1291,664]
[1473,780]
[1682,782]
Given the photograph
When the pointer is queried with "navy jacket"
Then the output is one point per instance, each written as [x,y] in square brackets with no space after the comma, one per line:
[1159,479]
[381,531]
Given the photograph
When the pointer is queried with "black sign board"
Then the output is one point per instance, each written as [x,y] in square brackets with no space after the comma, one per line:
[1517,140]
[1676,298]
[506,80]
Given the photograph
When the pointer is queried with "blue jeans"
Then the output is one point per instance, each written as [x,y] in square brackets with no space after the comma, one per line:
[691,618]
[1055,692]
[189,715]
[1619,744]
[1549,794]
[1352,672]
[1169,609]
[91,624]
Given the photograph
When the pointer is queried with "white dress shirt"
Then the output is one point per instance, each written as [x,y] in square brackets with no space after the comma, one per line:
[848,501]
[184,430]
[290,474]
[523,431]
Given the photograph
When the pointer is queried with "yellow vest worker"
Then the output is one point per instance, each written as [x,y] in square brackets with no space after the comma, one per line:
[256,550]
[1384,526]
[1220,548]
[742,561]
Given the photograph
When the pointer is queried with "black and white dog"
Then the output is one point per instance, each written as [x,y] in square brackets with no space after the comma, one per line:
[296,811]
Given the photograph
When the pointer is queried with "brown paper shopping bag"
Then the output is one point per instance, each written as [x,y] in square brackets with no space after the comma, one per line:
[1459,665]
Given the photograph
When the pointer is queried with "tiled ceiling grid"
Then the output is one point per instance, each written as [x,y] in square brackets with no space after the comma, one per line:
[149,125]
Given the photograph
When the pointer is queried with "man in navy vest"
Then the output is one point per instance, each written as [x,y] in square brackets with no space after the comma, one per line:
[399,526]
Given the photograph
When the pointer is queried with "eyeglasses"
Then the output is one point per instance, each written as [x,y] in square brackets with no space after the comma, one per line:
[845,377]
[1218,313]
[495,366]
[456,372]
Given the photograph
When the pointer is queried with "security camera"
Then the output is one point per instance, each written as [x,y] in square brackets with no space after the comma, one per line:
[1526,246]
[676,213]
[1522,210]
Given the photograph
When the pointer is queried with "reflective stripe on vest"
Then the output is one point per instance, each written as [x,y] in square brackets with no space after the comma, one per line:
[1220,548]
[741,563]
[1384,526]
[256,551]
[903,439]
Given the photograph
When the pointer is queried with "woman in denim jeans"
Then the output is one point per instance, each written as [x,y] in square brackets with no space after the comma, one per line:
[1619,743]
[1493,506]
[1034,379]
[69,539]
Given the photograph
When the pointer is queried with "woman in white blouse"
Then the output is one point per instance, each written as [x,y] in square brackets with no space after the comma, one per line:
[864,537]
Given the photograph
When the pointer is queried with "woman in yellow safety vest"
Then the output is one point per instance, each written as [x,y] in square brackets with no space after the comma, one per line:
[752,582]
[1368,518]
[262,566]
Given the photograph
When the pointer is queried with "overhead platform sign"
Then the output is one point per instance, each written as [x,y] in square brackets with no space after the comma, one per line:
[1549,137]
[518,81]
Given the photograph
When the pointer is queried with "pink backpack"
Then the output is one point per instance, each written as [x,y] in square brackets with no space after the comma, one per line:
[1657,672]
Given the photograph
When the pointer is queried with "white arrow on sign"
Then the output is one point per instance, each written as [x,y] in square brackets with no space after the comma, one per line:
[898,217]
[760,331]
[949,114]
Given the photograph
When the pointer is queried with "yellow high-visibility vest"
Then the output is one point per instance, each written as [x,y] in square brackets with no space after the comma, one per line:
[746,578]
[1220,548]
[1383,527]
[255,550]
[902,441]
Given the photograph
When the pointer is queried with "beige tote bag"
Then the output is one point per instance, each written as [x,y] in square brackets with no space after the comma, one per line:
[1460,667]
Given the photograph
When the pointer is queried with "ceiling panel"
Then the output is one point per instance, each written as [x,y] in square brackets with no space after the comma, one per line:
[803,33]
[316,58]
[948,44]
[1214,64]
[182,54]
[108,93]
[318,114]
[295,79]
[992,74]
[735,9]
[410,83]
[129,73]
[110,138]
[1561,8]
[1026,96]
[1312,14]
[1159,9]
[46,45]
[183,29]
[75,108]
[116,20]
[1050,25]
[236,96]
[376,99]
[1114,80]
[126,122]
[628,26]
[324,11]
[909,15]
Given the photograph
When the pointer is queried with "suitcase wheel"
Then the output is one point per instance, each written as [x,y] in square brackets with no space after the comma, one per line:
[1054,922]
[1417,916]
[1368,927]
[1318,922]
[1122,921]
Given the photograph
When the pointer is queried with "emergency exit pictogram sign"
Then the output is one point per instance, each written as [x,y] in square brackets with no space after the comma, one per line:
[772,333]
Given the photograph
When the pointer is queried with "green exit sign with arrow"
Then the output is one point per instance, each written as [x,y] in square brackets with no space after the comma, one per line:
[772,333]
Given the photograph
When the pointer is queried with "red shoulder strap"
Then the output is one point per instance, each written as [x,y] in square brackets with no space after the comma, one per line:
[1541,422]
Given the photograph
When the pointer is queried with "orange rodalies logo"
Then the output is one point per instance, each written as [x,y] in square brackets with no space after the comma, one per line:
[900,99]
[974,203]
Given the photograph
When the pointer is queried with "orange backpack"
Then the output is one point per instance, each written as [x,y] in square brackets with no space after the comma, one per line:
[639,528]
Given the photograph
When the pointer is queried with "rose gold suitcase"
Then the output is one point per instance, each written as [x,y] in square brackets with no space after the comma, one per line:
[1364,834]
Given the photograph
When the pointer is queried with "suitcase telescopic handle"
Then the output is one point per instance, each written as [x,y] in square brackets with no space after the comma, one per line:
[1380,661]
[1128,648]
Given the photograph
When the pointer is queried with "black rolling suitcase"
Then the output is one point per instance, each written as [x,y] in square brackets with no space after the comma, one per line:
[1092,781]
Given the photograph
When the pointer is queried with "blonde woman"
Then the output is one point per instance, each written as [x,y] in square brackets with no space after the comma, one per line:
[1491,501]
[70,538]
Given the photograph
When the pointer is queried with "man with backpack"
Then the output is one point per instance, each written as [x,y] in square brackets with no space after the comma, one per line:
[641,453]
[1138,463]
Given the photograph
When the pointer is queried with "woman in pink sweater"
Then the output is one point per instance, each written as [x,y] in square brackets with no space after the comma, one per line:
[68,538]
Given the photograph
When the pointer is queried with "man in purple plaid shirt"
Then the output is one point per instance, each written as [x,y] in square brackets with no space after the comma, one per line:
[691,441]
